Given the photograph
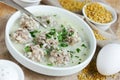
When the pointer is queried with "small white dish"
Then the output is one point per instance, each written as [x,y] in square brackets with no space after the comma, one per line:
[10,71]
[103,26]
[26,3]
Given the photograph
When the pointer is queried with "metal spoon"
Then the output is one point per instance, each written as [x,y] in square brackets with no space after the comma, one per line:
[19,7]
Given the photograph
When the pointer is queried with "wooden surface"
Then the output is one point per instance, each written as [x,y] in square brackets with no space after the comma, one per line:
[115,4]
[5,12]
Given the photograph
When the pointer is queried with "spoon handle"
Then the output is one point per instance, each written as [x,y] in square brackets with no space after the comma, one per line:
[22,9]
[19,7]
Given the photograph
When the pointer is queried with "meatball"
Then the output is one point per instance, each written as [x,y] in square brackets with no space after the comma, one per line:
[36,53]
[73,36]
[29,23]
[59,57]
[21,36]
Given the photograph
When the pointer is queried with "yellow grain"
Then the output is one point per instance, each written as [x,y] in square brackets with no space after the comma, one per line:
[98,13]
[91,73]
[73,5]
[98,36]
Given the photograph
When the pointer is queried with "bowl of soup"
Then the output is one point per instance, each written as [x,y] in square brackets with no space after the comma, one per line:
[64,47]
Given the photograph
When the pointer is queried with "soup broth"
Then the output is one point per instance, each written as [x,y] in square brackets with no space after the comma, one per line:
[63,43]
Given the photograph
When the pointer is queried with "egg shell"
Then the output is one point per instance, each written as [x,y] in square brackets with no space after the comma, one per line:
[108,59]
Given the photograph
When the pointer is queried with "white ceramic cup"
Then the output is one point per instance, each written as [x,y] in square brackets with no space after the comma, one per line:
[103,26]
[26,3]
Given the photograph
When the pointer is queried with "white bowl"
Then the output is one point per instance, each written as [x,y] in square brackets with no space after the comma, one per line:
[26,3]
[10,70]
[43,69]
[103,26]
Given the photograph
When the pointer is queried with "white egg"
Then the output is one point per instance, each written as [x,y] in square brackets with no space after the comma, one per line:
[108,59]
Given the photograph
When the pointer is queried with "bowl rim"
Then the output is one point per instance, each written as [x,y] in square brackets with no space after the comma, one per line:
[45,66]
[108,7]
[30,1]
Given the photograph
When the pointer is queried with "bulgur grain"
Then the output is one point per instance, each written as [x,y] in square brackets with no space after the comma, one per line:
[98,13]
[91,73]
[98,36]
[73,5]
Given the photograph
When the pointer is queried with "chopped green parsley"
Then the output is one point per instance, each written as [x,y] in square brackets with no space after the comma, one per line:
[78,50]
[83,45]
[34,32]
[27,49]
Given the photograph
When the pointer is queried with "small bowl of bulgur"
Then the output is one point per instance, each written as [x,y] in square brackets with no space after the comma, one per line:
[100,14]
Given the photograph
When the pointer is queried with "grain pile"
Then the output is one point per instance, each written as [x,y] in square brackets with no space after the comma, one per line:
[98,36]
[91,73]
[98,13]
[73,5]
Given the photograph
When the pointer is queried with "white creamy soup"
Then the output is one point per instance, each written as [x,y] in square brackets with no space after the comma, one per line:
[62,43]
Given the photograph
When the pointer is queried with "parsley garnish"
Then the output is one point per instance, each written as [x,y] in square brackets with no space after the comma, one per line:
[48,50]
[52,32]
[27,49]
[33,33]
[71,33]
[83,45]
[62,25]
[77,56]
[62,35]
[50,64]
[78,50]
[71,55]
[63,44]
[54,15]
[48,21]
[79,62]
[48,36]
[71,51]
